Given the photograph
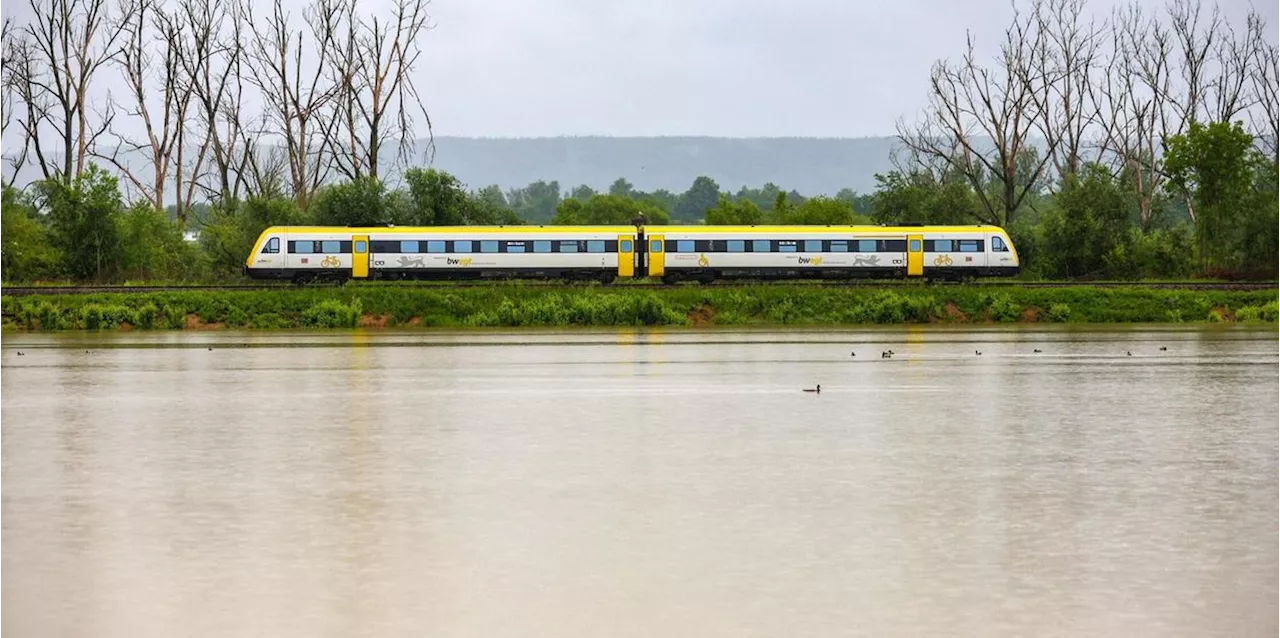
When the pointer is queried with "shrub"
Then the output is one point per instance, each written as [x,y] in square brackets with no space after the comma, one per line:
[269,321]
[1002,308]
[1059,312]
[332,313]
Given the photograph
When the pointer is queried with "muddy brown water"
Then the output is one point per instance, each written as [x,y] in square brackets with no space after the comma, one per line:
[641,483]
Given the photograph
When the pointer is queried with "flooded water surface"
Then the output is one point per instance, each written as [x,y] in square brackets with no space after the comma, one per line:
[631,483]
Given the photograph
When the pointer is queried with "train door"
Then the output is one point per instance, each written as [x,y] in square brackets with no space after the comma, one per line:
[626,256]
[360,256]
[657,256]
[915,255]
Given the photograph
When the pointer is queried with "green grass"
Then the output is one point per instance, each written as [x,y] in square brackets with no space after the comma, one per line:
[514,305]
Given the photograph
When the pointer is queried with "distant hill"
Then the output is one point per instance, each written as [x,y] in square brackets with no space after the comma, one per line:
[811,166]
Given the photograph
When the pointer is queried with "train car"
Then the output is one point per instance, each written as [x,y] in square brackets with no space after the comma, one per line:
[707,253]
[603,253]
[303,254]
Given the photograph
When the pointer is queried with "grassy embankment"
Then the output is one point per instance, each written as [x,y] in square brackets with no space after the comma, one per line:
[520,305]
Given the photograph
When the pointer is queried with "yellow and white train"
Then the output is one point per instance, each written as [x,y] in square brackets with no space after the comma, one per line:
[605,253]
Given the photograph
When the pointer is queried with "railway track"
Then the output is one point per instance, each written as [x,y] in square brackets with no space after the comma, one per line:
[18,291]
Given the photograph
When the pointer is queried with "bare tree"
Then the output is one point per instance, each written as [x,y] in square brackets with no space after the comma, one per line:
[288,68]
[1194,44]
[13,92]
[1266,118]
[151,57]
[1130,100]
[70,42]
[1234,55]
[214,65]
[1067,63]
[377,98]
[982,121]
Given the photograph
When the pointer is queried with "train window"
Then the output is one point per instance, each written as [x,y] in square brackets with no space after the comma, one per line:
[736,246]
[970,245]
[541,246]
[435,246]
[302,247]
[715,245]
[684,246]
[515,247]
[362,246]
[488,246]
[595,246]
[867,246]
[655,246]
[625,245]
[409,246]
[332,246]
[383,246]
[839,246]
[273,245]
[568,246]
[786,247]
[998,245]
[813,245]
[915,245]
[462,246]
[760,246]
[942,245]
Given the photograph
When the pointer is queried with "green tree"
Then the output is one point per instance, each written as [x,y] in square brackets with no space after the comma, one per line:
[582,192]
[1092,220]
[436,198]
[535,203]
[918,197]
[728,212]
[1219,172]
[492,195]
[861,204]
[607,210]
[152,247]
[359,202]
[234,226]
[763,198]
[485,212]
[662,198]
[695,202]
[82,217]
[622,188]
[27,252]
[818,211]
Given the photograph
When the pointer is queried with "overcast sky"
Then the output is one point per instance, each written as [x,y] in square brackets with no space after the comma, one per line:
[738,68]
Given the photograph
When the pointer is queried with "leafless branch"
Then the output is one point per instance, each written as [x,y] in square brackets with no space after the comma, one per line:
[980,120]
[71,41]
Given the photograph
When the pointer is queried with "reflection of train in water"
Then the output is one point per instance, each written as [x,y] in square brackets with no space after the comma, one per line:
[604,253]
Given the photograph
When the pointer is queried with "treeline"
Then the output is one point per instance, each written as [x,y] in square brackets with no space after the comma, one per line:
[84,229]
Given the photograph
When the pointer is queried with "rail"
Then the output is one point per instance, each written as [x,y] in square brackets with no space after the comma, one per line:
[18,291]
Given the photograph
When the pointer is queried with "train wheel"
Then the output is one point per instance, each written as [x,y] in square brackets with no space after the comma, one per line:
[607,278]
